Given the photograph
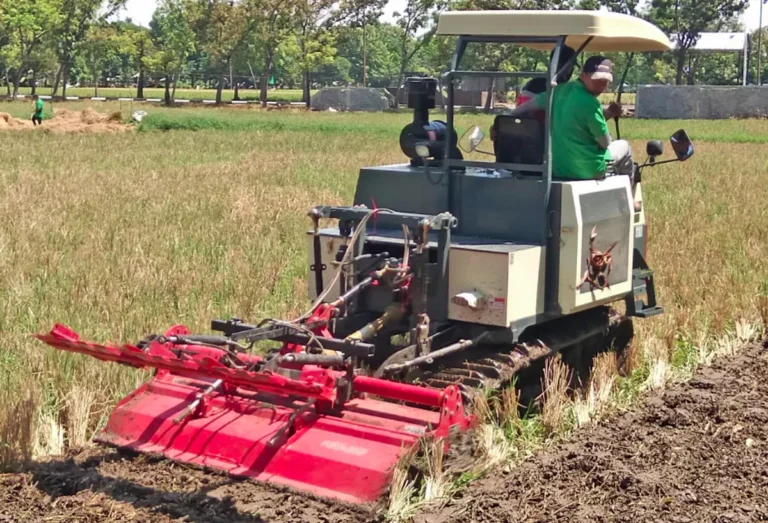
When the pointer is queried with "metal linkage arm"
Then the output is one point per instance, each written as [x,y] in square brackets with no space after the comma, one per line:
[411,220]
[250,333]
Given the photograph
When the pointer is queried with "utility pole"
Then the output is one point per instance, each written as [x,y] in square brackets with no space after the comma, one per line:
[760,45]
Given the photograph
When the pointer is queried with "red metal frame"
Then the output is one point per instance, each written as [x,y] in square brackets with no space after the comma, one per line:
[306,428]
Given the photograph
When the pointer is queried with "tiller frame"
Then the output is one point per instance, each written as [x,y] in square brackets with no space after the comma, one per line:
[297,419]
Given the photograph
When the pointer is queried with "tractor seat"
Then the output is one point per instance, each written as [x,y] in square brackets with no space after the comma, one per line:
[519,139]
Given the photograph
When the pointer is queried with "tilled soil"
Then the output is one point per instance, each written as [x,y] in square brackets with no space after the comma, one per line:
[698,452]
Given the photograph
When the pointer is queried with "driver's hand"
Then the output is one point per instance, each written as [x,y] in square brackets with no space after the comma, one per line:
[613,110]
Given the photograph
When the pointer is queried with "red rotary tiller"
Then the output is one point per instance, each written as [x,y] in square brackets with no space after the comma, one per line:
[301,419]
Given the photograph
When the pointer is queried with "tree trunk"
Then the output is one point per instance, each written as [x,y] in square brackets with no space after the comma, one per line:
[219,87]
[34,83]
[168,89]
[265,79]
[680,65]
[236,96]
[140,84]
[263,89]
[95,84]
[306,95]
[175,81]
[64,78]
[365,55]
[56,80]
[17,80]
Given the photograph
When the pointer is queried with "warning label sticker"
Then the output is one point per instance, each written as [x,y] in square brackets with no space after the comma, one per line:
[498,304]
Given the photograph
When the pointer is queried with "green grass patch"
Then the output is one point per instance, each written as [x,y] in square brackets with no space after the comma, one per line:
[276,95]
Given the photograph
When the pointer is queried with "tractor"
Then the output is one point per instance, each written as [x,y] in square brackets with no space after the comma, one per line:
[445,275]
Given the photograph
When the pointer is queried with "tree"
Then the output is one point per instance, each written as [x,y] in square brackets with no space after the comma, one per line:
[418,15]
[336,71]
[685,20]
[223,27]
[174,40]
[77,16]
[274,22]
[102,43]
[143,48]
[314,40]
[29,24]
[383,62]
[361,14]
[761,64]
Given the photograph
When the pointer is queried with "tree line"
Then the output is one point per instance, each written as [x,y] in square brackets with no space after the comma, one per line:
[260,44]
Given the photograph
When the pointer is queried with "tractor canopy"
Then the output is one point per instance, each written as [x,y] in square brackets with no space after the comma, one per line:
[606,32]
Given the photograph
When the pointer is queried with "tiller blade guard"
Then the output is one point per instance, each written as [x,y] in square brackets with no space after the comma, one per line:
[301,424]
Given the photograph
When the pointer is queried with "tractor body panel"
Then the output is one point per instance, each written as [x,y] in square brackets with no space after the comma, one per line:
[604,206]
[505,281]
[511,263]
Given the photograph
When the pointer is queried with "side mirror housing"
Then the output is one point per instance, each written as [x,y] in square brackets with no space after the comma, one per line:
[682,145]
[654,148]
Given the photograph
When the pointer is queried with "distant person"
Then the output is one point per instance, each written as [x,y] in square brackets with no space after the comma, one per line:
[37,115]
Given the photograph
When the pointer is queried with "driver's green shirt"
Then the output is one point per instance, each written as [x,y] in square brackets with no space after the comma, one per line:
[39,106]
[577,123]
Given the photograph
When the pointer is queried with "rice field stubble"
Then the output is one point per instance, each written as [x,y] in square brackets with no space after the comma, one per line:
[119,236]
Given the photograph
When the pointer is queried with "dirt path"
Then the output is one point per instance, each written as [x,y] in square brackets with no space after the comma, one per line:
[697,453]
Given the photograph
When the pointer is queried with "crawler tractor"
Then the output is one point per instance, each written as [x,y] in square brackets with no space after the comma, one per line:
[444,275]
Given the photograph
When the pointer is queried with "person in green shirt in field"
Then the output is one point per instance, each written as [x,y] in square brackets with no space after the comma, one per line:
[37,115]
[582,148]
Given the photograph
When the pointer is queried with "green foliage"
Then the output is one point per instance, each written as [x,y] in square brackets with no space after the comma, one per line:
[28,25]
[685,20]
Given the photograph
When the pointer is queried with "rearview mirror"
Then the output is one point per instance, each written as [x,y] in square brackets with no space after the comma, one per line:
[682,145]
[654,148]
[471,139]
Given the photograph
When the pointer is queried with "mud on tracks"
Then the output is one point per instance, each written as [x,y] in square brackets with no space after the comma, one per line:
[698,452]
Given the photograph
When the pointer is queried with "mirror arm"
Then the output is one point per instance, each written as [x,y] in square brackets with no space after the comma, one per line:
[653,164]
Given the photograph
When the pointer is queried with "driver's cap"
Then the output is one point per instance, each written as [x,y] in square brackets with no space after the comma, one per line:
[598,68]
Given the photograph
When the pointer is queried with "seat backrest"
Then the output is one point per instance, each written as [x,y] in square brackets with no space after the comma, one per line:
[519,139]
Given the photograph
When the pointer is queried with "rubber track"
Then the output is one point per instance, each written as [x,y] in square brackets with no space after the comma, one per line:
[495,367]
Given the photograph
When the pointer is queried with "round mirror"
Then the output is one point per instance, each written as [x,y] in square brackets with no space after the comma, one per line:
[471,139]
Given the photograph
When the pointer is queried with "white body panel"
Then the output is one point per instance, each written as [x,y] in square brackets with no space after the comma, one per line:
[613,222]
[509,278]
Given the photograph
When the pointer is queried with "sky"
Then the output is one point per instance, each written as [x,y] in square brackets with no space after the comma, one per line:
[140,11]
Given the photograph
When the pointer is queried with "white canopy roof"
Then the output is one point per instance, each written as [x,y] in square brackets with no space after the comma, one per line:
[720,42]
[609,31]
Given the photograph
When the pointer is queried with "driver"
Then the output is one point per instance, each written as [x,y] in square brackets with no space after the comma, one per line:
[581,143]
